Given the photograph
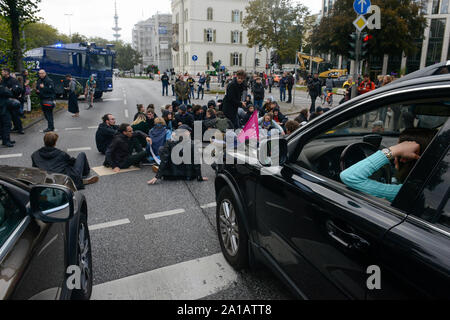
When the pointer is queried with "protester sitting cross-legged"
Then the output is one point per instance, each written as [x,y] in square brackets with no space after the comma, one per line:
[105,132]
[167,169]
[120,153]
[141,124]
[159,135]
[53,160]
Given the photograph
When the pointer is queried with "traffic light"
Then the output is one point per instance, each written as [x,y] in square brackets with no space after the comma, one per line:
[257,62]
[260,48]
[274,58]
[365,41]
[354,46]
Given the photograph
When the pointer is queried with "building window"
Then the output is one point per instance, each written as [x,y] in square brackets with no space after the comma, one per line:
[444,7]
[436,37]
[235,59]
[209,58]
[236,16]
[210,35]
[235,36]
[435,7]
[209,14]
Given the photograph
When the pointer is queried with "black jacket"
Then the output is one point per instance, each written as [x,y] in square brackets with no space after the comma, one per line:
[56,161]
[122,147]
[169,170]
[13,85]
[232,100]
[104,136]
[5,94]
[258,91]
[314,87]
[48,92]
[187,119]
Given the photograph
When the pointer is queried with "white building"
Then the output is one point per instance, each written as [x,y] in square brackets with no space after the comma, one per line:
[212,30]
[153,39]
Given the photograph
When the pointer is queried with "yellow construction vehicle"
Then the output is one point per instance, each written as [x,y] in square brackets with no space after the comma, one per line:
[325,69]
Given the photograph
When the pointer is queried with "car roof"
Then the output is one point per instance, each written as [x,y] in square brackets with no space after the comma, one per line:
[428,71]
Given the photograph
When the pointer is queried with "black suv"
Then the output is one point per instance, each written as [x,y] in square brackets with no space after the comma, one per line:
[326,240]
[45,248]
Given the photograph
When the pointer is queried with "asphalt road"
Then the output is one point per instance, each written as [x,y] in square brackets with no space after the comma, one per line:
[137,254]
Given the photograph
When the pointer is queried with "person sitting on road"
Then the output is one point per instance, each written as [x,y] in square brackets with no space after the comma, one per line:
[199,114]
[279,118]
[291,126]
[267,123]
[168,117]
[151,115]
[105,132]
[141,124]
[248,114]
[303,116]
[185,171]
[210,120]
[54,160]
[159,135]
[411,145]
[120,153]
[183,117]
[140,110]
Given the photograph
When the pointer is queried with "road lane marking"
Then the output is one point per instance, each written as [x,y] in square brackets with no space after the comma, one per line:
[126,113]
[42,131]
[93,127]
[16,155]
[209,205]
[189,280]
[79,149]
[70,129]
[163,214]
[108,224]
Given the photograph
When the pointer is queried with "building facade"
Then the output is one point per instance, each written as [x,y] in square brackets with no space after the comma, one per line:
[212,30]
[433,47]
[153,39]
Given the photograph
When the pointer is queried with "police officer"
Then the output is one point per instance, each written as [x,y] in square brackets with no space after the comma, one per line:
[5,116]
[13,103]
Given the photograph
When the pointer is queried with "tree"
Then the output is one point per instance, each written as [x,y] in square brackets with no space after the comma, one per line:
[41,34]
[18,13]
[78,38]
[402,23]
[126,57]
[277,24]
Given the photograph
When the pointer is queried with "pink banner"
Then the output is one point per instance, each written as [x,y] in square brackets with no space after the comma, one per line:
[251,129]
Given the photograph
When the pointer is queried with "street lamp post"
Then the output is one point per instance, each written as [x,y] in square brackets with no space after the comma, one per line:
[69,15]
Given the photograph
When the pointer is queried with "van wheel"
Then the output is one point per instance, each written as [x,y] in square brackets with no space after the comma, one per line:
[232,235]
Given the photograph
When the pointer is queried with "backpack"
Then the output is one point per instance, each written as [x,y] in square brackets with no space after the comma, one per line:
[78,88]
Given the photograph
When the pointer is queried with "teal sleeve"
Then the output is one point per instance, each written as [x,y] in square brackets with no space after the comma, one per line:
[357,177]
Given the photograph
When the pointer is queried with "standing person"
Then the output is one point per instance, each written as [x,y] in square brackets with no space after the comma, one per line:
[271,82]
[314,88]
[233,98]
[366,85]
[26,93]
[182,90]
[208,82]
[89,91]
[46,91]
[173,80]
[73,98]
[290,85]
[191,83]
[283,84]
[5,116]
[165,84]
[13,103]
[53,160]
[201,83]
[258,94]
[105,132]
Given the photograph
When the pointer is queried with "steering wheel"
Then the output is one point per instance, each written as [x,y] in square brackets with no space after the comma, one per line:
[359,151]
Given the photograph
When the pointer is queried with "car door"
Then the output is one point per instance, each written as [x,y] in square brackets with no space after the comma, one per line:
[32,263]
[417,251]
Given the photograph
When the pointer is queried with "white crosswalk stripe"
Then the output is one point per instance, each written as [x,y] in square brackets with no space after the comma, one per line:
[7,156]
[163,214]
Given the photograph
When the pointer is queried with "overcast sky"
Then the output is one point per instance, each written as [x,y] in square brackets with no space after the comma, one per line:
[96,17]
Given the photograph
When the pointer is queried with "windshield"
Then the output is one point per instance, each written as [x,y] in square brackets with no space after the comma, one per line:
[100,62]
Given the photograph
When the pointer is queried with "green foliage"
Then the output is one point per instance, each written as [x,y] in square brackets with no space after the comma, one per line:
[277,24]
[401,24]
[152,69]
[41,34]
[126,57]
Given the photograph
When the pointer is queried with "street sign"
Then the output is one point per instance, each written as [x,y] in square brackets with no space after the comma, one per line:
[361,6]
[360,23]
[194,58]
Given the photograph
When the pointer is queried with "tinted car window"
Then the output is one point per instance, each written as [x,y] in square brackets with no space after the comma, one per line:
[10,214]
[433,205]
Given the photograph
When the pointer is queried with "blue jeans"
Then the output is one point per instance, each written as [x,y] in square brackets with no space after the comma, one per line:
[282,93]
[165,87]
[192,93]
[258,104]
[202,90]
[181,101]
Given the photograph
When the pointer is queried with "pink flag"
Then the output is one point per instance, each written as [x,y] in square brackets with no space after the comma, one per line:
[251,129]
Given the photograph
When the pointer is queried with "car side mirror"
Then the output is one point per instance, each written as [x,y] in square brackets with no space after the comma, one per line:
[273,152]
[51,203]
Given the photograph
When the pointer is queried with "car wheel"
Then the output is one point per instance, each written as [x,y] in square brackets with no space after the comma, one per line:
[84,260]
[232,235]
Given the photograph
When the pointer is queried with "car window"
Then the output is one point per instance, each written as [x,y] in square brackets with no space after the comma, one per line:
[380,127]
[433,205]
[10,214]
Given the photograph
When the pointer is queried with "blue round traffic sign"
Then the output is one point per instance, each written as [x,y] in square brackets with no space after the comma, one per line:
[194,58]
[361,6]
